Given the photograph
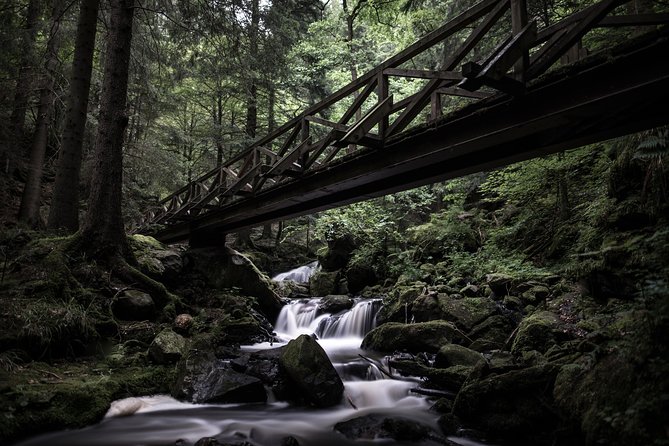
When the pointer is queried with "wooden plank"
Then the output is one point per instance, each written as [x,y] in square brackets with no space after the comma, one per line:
[326,123]
[244,181]
[544,59]
[423,74]
[634,20]
[518,23]
[455,91]
[357,103]
[286,162]
[371,118]
[494,72]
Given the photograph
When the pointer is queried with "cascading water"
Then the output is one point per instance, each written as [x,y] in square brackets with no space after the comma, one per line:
[161,420]
[300,274]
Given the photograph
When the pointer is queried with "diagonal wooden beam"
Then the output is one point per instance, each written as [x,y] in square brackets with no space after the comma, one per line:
[362,127]
[423,96]
[244,181]
[549,54]
[423,74]
[288,160]
[494,72]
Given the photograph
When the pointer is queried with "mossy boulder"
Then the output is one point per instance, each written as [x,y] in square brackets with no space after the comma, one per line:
[323,283]
[155,259]
[467,312]
[167,347]
[453,354]
[335,303]
[539,332]
[359,276]
[535,295]
[500,284]
[516,406]
[225,268]
[492,333]
[134,305]
[414,338]
[307,365]
[398,305]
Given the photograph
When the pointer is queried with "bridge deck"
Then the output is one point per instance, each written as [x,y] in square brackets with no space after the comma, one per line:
[622,90]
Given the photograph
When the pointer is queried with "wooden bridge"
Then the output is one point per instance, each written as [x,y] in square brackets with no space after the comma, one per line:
[536,93]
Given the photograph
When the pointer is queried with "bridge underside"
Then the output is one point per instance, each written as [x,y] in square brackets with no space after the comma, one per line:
[606,96]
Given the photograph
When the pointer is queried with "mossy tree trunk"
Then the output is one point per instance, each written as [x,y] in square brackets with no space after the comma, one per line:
[103,232]
[64,211]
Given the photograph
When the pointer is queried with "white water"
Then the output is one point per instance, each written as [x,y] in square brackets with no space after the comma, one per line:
[161,420]
[300,274]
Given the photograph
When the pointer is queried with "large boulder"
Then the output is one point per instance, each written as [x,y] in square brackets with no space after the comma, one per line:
[398,306]
[134,305]
[516,406]
[167,347]
[202,378]
[500,284]
[358,276]
[226,268]
[334,303]
[539,331]
[309,368]
[467,312]
[414,338]
[492,333]
[453,354]
[322,283]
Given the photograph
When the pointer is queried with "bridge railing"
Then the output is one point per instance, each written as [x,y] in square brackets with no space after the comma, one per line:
[373,114]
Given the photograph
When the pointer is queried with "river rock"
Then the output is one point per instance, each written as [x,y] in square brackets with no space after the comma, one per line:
[167,347]
[534,295]
[453,354]
[322,283]
[414,338]
[539,332]
[500,284]
[398,306]
[134,305]
[202,378]
[373,426]
[492,333]
[183,323]
[516,406]
[310,369]
[467,312]
[334,303]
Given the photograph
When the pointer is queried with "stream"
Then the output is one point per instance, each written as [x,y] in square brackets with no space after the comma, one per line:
[161,420]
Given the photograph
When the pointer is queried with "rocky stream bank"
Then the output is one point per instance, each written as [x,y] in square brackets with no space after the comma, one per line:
[502,358]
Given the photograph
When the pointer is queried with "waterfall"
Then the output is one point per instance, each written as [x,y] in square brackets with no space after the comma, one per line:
[300,274]
[305,317]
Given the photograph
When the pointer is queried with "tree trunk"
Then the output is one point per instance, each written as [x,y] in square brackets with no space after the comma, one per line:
[64,212]
[30,200]
[26,70]
[102,230]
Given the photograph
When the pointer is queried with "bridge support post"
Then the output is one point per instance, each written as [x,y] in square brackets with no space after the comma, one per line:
[518,22]
[205,238]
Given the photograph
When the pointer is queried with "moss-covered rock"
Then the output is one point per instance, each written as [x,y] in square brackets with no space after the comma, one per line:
[335,303]
[492,333]
[134,305]
[467,312]
[453,354]
[323,283]
[310,369]
[500,284]
[534,295]
[539,332]
[337,253]
[42,397]
[373,427]
[398,305]
[167,348]
[414,338]
[516,406]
